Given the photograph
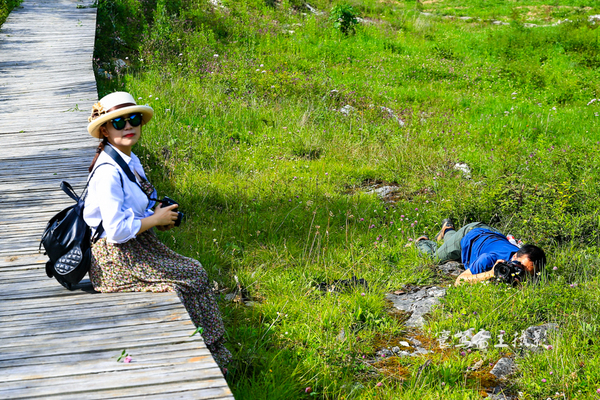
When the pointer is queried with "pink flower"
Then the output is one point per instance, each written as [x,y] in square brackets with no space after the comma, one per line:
[127,360]
[549,347]
[362,294]
[308,390]
[543,380]
[598,391]
[379,384]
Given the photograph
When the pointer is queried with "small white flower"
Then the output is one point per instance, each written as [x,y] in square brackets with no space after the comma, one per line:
[262,65]
[216,56]
[150,96]
[139,98]
[180,54]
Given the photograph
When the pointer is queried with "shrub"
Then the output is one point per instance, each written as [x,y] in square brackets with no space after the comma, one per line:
[344,18]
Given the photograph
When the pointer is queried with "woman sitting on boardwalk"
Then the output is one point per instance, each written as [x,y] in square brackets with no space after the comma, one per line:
[128,256]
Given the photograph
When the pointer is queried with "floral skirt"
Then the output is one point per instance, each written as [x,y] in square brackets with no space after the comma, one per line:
[145,264]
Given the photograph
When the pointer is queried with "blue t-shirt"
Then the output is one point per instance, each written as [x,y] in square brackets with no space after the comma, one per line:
[481,248]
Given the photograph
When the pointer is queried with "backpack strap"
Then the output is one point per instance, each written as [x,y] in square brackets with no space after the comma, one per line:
[119,160]
[100,228]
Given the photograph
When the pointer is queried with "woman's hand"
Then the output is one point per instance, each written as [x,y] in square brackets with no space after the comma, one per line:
[163,218]
[166,217]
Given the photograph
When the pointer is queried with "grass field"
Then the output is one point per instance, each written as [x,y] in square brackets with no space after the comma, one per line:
[6,7]
[249,138]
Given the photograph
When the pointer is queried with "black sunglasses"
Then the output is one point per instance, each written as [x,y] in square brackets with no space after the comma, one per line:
[120,122]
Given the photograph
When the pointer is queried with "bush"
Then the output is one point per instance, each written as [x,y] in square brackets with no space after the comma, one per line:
[344,18]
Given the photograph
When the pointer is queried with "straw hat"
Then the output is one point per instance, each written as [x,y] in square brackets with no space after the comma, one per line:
[112,106]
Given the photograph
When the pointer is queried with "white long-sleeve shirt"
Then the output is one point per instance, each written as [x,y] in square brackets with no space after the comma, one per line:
[120,208]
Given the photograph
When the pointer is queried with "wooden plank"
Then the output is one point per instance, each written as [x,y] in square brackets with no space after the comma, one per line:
[56,343]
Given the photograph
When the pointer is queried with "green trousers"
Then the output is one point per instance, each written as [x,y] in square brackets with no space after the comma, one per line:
[450,250]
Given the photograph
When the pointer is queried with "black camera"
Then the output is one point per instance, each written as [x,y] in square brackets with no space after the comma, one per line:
[165,202]
[509,272]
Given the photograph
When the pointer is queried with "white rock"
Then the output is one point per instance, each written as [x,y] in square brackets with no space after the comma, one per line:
[393,115]
[347,109]
[313,10]
[464,168]
[480,339]
[120,64]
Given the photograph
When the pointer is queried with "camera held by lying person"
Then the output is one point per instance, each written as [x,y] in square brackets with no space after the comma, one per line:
[486,253]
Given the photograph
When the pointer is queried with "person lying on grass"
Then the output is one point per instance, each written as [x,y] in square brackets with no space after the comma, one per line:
[480,248]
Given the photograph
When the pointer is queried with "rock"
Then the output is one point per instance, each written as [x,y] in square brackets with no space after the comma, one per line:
[465,18]
[392,115]
[594,18]
[341,336]
[536,336]
[384,191]
[347,109]
[416,342]
[120,64]
[396,349]
[418,303]
[404,344]
[229,296]
[313,10]
[464,168]
[480,340]
[500,23]
[476,366]
[403,354]
[216,3]
[499,394]
[385,353]
[453,268]
[505,366]
[420,351]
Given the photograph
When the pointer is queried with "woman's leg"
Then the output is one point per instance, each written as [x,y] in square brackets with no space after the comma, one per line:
[146,264]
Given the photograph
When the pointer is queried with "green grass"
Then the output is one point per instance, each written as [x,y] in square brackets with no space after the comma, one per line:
[6,7]
[248,137]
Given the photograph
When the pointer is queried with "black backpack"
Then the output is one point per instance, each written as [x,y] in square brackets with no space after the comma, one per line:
[67,239]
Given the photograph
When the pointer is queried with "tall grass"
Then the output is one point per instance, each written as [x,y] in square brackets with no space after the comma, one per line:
[249,138]
[6,6]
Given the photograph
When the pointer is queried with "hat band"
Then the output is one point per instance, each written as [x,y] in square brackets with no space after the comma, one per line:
[118,106]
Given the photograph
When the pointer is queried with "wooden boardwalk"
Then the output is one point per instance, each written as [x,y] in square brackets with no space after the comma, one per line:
[55,343]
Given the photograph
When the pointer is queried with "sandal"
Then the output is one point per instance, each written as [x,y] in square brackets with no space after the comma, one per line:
[447,224]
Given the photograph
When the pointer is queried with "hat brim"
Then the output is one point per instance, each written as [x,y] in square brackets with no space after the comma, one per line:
[94,126]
